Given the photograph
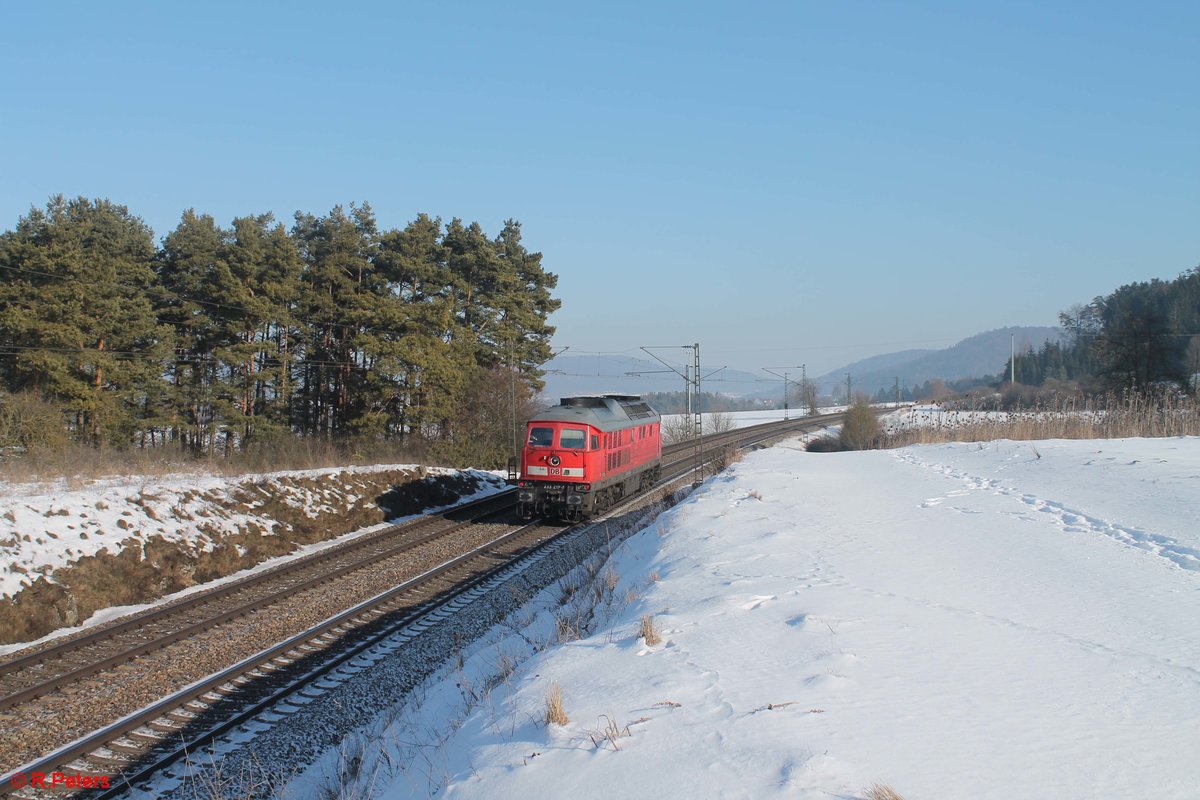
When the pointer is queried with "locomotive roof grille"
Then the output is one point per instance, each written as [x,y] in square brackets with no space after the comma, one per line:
[638,410]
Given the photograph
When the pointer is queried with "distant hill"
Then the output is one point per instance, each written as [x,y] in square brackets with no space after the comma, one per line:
[983,354]
[974,357]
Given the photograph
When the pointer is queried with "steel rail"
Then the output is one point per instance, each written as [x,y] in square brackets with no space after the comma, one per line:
[367,544]
[302,646]
[369,549]
[259,661]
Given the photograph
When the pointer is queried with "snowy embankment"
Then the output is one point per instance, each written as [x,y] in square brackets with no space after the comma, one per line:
[1000,620]
[46,530]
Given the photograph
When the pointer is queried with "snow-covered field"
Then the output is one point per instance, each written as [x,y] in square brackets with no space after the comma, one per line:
[984,621]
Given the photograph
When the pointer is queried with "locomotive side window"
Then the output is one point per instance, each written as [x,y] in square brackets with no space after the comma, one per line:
[572,439]
[595,442]
[541,437]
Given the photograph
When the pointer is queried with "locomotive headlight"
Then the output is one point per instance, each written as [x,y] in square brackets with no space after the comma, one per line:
[555,461]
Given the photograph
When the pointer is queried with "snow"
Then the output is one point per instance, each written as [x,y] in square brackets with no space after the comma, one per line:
[998,620]
[47,526]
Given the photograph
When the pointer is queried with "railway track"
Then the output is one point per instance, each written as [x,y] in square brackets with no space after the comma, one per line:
[142,742]
[33,674]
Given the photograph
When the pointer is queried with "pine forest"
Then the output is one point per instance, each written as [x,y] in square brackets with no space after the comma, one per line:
[224,339]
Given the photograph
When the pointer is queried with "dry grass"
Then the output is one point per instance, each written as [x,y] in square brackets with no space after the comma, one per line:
[80,464]
[1067,418]
[609,733]
[568,627]
[555,713]
[881,791]
[725,457]
[648,630]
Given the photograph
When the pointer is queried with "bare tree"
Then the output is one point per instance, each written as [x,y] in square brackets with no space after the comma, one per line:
[718,422]
[676,428]
[806,395]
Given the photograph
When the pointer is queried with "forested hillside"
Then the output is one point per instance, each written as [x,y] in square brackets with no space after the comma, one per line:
[1143,335]
[224,338]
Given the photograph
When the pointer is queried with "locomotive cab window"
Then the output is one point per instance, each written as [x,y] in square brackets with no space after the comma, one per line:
[572,439]
[541,437]
[595,442]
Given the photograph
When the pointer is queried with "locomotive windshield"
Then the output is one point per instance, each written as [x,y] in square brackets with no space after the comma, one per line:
[572,439]
[541,437]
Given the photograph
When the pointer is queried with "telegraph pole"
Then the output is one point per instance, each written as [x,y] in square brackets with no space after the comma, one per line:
[695,414]
[786,381]
[687,398]
[897,390]
[849,397]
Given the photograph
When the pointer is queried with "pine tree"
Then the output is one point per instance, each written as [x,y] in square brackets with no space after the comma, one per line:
[337,281]
[528,306]
[189,269]
[76,321]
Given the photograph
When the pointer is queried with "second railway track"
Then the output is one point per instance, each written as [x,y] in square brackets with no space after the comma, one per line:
[121,745]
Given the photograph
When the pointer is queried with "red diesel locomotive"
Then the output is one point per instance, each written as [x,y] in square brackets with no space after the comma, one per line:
[586,453]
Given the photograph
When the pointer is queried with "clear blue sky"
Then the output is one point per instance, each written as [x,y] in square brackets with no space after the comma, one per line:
[786,183]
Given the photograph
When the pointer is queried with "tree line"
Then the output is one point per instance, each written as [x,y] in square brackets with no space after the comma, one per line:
[1141,337]
[221,338]
[677,402]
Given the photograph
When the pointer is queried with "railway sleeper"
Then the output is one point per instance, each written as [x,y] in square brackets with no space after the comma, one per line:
[113,760]
[165,725]
[151,738]
[87,768]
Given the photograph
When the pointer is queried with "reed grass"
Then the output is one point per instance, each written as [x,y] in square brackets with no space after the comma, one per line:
[1110,417]
[555,712]
[881,791]
[648,630]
